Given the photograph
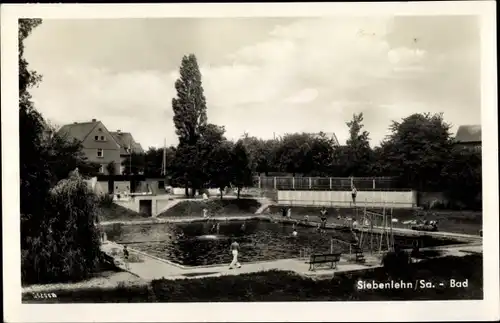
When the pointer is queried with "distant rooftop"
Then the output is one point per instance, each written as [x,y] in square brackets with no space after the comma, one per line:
[468,133]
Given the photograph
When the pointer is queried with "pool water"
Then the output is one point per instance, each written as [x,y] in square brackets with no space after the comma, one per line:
[198,243]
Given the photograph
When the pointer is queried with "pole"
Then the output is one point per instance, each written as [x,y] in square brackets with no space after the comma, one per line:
[331,245]
[330,183]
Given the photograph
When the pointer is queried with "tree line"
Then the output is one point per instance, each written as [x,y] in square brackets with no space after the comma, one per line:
[419,152]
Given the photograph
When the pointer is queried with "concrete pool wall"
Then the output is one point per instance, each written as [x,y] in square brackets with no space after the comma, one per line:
[399,199]
[156,203]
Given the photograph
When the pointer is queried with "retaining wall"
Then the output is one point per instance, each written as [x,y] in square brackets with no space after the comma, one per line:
[406,199]
[158,203]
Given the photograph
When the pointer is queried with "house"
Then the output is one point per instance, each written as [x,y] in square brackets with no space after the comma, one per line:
[98,144]
[468,137]
[128,146]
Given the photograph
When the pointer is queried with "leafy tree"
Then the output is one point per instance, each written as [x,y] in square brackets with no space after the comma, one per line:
[265,156]
[63,155]
[321,155]
[59,240]
[462,176]
[134,164]
[292,153]
[67,245]
[241,168]
[220,166]
[190,110]
[416,151]
[35,174]
[111,168]
[359,153]
[154,160]
[212,137]
[190,117]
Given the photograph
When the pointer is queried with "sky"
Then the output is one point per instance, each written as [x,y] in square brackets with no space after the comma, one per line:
[261,76]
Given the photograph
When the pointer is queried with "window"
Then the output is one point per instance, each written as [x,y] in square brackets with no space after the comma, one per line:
[100,129]
[96,138]
[100,153]
[102,138]
[122,169]
[101,169]
[161,184]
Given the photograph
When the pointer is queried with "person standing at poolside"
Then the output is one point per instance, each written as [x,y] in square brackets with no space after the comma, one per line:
[205,213]
[354,193]
[125,256]
[235,247]
[323,216]
[289,213]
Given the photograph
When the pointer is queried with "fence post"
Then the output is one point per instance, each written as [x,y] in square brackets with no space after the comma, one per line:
[330,183]
[259,185]
[310,183]
[293,182]
[274,182]
[374,183]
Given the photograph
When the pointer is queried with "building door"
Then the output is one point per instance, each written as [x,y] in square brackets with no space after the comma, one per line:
[146,207]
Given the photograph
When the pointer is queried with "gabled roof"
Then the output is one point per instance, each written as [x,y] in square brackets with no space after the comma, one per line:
[77,130]
[468,133]
[125,140]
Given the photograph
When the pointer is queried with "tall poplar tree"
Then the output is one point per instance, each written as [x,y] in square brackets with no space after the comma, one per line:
[190,118]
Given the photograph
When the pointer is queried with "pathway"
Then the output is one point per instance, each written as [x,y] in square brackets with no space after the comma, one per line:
[150,268]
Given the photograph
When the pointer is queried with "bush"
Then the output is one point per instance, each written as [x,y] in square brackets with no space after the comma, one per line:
[67,245]
[105,200]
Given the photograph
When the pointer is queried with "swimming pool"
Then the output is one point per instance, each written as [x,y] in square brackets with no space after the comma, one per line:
[198,243]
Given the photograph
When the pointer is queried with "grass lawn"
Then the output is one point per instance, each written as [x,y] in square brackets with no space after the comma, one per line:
[114,212]
[234,207]
[467,222]
[287,286]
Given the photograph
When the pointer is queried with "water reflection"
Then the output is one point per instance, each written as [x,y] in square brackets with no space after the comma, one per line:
[208,242]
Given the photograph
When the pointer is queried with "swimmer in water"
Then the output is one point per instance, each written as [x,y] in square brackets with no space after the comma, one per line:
[243,226]
[294,233]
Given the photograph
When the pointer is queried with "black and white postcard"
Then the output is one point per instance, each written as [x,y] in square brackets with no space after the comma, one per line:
[250,162]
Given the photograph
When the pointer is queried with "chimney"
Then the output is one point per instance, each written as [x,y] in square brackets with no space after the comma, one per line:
[75,122]
[118,131]
[94,120]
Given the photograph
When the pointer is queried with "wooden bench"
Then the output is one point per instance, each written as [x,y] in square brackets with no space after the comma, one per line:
[359,256]
[332,258]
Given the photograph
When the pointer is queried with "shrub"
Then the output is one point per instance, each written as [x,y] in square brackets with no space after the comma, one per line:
[67,245]
[105,200]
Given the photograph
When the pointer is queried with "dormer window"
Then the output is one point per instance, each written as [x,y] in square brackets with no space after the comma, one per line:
[96,138]
[102,138]
[99,138]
